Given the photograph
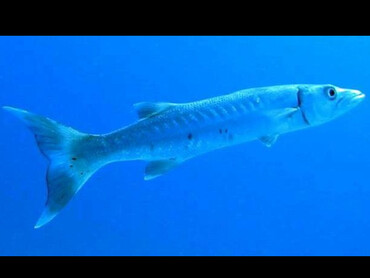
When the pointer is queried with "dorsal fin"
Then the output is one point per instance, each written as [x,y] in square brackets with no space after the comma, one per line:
[148,109]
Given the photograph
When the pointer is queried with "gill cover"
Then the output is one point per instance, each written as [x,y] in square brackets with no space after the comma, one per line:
[322,103]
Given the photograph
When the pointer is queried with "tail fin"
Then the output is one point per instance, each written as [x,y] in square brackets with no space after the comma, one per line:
[71,159]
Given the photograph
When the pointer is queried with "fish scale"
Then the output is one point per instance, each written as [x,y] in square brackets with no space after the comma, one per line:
[203,126]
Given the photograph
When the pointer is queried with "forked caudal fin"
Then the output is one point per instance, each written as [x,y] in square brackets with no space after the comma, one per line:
[70,155]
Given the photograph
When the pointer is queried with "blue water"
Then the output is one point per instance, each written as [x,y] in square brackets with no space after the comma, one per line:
[307,195]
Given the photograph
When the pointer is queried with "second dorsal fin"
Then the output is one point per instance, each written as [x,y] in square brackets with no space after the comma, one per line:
[148,109]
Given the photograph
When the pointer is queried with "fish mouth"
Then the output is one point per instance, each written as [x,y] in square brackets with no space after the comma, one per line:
[357,97]
[350,98]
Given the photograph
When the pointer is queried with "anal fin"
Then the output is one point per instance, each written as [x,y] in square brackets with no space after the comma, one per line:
[269,140]
[159,167]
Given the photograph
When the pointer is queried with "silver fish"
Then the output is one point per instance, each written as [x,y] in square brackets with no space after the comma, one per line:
[167,134]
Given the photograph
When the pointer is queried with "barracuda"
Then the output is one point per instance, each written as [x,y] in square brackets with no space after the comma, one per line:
[167,134]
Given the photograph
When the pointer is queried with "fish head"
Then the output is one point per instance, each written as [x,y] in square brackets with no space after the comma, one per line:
[322,103]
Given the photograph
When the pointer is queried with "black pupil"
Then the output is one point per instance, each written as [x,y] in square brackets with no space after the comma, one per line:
[331,92]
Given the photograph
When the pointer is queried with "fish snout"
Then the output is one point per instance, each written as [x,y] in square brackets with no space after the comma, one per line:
[355,97]
[350,98]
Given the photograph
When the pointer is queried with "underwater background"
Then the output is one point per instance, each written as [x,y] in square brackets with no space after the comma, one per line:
[309,194]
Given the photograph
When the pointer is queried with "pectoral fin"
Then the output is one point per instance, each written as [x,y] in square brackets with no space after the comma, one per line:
[269,140]
[285,113]
[159,167]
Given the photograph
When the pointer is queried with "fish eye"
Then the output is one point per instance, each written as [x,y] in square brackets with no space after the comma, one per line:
[332,93]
